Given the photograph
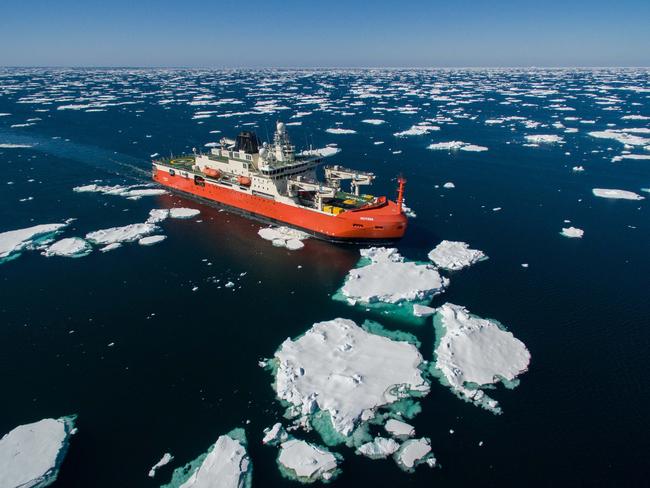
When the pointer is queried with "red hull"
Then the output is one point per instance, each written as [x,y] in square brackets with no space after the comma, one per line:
[386,222]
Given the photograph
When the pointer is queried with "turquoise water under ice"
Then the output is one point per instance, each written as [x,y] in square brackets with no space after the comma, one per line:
[184,365]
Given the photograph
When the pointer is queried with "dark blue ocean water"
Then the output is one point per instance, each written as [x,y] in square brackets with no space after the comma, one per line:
[184,365]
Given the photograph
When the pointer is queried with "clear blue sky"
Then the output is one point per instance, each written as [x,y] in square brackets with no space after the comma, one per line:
[218,33]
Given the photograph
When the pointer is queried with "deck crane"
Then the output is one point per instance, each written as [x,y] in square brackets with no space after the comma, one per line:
[334,175]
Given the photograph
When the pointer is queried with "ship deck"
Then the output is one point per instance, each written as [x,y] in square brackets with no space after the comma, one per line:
[343,200]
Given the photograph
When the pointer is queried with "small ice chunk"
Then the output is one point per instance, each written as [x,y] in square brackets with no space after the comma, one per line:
[31,454]
[157,215]
[307,462]
[572,232]
[399,429]
[373,121]
[166,459]
[151,240]
[422,310]
[578,169]
[379,448]
[455,255]
[284,237]
[322,152]
[544,139]
[449,185]
[111,247]
[275,435]
[339,130]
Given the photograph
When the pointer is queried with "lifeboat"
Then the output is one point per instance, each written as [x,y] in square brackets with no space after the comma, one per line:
[211,172]
[244,180]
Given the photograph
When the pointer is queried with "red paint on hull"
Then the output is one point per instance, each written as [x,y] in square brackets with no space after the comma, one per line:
[386,222]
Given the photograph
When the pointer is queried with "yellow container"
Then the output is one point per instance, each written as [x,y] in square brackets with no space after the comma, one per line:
[336,210]
[349,201]
[327,208]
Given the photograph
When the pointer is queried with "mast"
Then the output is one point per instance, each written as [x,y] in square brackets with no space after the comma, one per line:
[400,191]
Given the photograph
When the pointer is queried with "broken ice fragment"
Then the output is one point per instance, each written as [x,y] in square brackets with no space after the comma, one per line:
[306,462]
[379,448]
[413,453]
[455,255]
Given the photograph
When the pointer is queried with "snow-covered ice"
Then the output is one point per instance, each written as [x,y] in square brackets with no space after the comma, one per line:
[324,152]
[473,353]
[306,462]
[183,212]
[378,448]
[339,130]
[132,192]
[413,453]
[456,145]
[616,194]
[399,429]
[275,434]
[225,465]
[31,454]
[572,232]
[544,139]
[417,130]
[72,247]
[126,233]
[340,368]
[151,240]
[455,255]
[385,276]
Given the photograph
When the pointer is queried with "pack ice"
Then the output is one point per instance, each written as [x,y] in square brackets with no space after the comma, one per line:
[455,255]
[616,194]
[132,192]
[473,353]
[339,368]
[384,276]
[225,465]
[31,454]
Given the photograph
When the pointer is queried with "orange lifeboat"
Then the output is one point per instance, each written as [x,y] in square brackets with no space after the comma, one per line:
[244,180]
[212,173]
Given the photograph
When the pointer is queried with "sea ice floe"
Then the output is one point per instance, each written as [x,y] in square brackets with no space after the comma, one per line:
[623,136]
[378,448]
[151,240]
[14,146]
[413,453]
[132,192]
[572,232]
[399,430]
[373,121]
[164,460]
[339,130]
[126,233]
[422,310]
[578,169]
[284,237]
[275,435]
[616,194]
[225,465]
[337,375]
[474,353]
[544,139]
[183,213]
[31,454]
[14,241]
[455,255]
[617,159]
[417,130]
[71,247]
[383,275]
[456,145]
[307,462]
[157,215]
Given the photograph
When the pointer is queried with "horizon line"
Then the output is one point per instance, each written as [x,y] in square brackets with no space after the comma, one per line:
[253,67]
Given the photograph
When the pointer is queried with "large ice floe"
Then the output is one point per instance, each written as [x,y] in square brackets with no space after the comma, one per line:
[132,192]
[474,353]
[226,464]
[336,376]
[126,233]
[284,237]
[13,242]
[616,194]
[544,139]
[307,463]
[31,454]
[378,448]
[455,255]
[384,280]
